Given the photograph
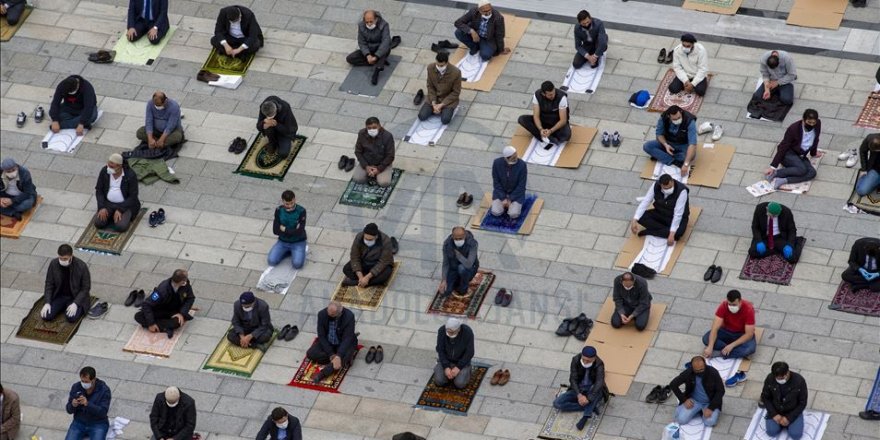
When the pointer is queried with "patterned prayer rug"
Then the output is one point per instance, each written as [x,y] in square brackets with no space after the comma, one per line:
[232,359]
[869,203]
[154,344]
[870,115]
[264,164]
[450,399]
[874,396]
[561,425]
[814,426]
[57,331]
[307,370]
[141,51]
[368,298]
[105,241]
[663,99]
[773,269]
[224,65]
[7,31]
[503,222]
[10,227]
[468,305]
[369,196]
[861,302]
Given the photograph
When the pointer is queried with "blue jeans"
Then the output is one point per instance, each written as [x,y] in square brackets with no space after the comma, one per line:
[485,47]
[568,402]
[95,430]
[18,208]
[868,183]
[795,428]
[655,149]
[296,250]
[726,337]
[796,169]
[684,415]
[458,277]
[70,120]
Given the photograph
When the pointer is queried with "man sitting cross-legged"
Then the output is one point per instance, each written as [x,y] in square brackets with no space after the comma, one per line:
[586,386]
[372,258]
[337,341]
[632,301]
[671,212]
[455,349]
[676,142]
[549,119]
[864,265]
[732,332]
[251,322]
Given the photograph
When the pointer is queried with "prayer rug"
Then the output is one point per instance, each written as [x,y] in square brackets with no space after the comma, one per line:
[708,169]
[427,132]
[584,80]
[488,72]
[695,430]
[450,399]
[141,52]
[503,222]
[874,397]
[565,155]
[278,278]
[57,331]
[634,245]
[66,140]
[154,344]
[106,241]
[7,31]
[870,115]
[359,79]
[773,269]
[663,99]
[367,298]
[224,65]
[307,370]
[369,196]
[10,227]
[468,305]
[726,367]
[869,203]
[861,302]
[726,7]
[232,359]
[815,423]
[561,425]
[530,213]
[261,163]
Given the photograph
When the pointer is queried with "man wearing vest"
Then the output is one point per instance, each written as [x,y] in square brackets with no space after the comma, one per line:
[669,218]
[549,119]
[676,142]
[773,232]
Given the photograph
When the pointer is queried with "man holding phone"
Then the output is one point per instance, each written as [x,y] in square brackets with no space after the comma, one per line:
[89,402]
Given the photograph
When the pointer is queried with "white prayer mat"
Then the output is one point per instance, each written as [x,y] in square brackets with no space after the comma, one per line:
[278,278]
[655,253]
[763,187]
[815,423]
[584,80]
[66,140]
[538,155]
[726,367]
[675,172]
[472,67]
[695,430]
[427,132]
[227,82]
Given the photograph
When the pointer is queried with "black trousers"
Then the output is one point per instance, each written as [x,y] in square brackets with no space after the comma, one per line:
[234,43]
[281,144]
[120,226]
[141,27]
[357,58]
[376,280]
[579,60]
[658,226]
[13,13]
[427,111]
[857,281]
[163,322]
[641,321]
[557,137]
[700,89]
[778,244]
[235,338]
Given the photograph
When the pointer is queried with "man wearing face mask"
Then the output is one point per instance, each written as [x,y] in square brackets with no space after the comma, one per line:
[372,258]
[74,105]
[586,386]
[703,393]
[785,398]
[280,426]
[444,88]
[632,301]
[774,232]
[460,263]
[863,271]
[277,123]
[290,227]
[790,163]
[336,343]
[733,330]
[671,212]
[167,308]
[374,150]
[455,350]
[117,195]
[590,41]
[509,175]
[676,139]
[549,119]
[251,322]
[162,127]
[17,190]
[68,283]
[173,416]
[481,29]
[237,32]
[89,401]
[374,44]
[690,61]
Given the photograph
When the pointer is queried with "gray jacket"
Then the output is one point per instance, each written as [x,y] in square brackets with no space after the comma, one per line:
[258,324]
[80,282]
[784,73]
[638,298]
[376,41]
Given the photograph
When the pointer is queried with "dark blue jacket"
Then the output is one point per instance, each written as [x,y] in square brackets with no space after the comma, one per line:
[83,101]
[294,429]
[598,35]
[509,181]
[160,14]
[98,403]
[458,351]
[25,185]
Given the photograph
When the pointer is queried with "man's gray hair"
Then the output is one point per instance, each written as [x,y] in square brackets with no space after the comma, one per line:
[268,109]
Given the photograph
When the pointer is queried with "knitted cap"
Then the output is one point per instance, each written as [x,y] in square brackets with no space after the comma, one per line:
[589,351]
[774,208]
[115,158]
[247,298]
[508,151]
[8,164]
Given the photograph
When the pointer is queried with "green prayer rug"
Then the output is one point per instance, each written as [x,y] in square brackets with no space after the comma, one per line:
[369,196]
[263,163]
[106,241]
[232,359]
[57,331]
[141,51]
[225,65]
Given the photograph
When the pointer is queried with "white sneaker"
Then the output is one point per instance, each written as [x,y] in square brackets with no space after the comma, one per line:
[852,161]
[717,132]
[847,154]
[705,127]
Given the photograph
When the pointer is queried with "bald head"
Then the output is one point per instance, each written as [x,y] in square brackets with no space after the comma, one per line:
[369,17]
[334,309]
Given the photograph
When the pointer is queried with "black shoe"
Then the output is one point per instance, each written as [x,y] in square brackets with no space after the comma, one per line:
[375,79]
[160,216]
[615,139]
[283,332]
[395,246]
[661,58]
[420,96]
[474,51]
[664,394]
[716,275]
[371,355]
[669,57]
[582,423]
[395,41]
[446,44]
[139,300]
[131,297]
[654,394]
[508,297]
[583,328]
[380,354]
[170,332]
[709,272]
[39,114]
[562,330]
[468,200]
[153,220]
[294,330]
[99,310]
[574,322]
[350,165]
[460,200]
[436,48]
[499,297]
[870,414]
[22,117]
[343,161]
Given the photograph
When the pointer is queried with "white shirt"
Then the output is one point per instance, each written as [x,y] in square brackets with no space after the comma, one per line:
[12,187]
[807,140]
[677,213]
[114,194]
[235,31]
[775,224]
[562,103]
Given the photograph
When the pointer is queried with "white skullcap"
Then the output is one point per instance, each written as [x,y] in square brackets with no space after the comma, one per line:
[508,151]
[482,3]
[172,394]
[453,324]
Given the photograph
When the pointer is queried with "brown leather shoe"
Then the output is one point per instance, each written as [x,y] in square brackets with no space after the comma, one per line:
[505,377]
[496,377]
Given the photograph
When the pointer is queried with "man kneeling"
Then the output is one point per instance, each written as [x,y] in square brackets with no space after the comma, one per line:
[251,322]
[703,393]
[773,231]
[864,265]
[455,350]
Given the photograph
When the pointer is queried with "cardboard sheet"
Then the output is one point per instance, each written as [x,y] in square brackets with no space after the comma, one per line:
[617,383]
[708,168]
[726,7]
[825,14]
[515,28]
[572,154]
[747,363]
[528,225]
[620,359]
[7,31]
[657,311]
[633,245]
[626,336]
[12,228]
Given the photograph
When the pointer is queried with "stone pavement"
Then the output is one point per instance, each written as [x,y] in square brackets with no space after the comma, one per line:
[219,226]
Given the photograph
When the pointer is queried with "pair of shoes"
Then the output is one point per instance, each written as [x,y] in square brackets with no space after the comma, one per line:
[345,163]
[99,310]
[20,120]
[375,78]
[654,395]
[850,156]
[465,200]
[737,378]
[501,377]
[102,56]
[713,274]
[287,333]
[39,114]
[375,354]
[446,44]
[710,127]
[664,57]
[238,145]
[157,218]
[395,41]
[420,96]
[438,48]
[579,327]
[610,139]
[503,297]
[869,415]
[395,246]
[205,76]
[135,298]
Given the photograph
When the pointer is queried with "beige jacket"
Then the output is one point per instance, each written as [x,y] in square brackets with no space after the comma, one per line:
[694,65]
[444,89]
[11,416]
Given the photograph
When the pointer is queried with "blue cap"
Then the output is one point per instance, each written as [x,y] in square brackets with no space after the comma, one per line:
[247,297]
[589,351]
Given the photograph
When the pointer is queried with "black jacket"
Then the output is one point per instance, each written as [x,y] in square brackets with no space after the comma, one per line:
[712,383]
[286,122]
[83,101]
[596,33]
[458,351]
[160,13]
[597,376]
[787,228]
[344,332]
[859,252]
[791,141]
[164,302]
[869,160]
[184,422]
[375,151]
[80,282]
[294,429]
[638,299]
[25,185]
[129,189]
[259,324]
[249,27]
[495,31]
[790,402]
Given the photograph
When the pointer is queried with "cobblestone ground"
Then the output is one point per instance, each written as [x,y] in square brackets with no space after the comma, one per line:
[219,226]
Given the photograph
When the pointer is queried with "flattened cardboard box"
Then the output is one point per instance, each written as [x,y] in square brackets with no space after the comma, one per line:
[709,167]
[514,29]
[573,153]
[634,244]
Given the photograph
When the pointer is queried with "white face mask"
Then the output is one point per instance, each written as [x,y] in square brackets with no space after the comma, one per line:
[171,405]
[282,425]
[373,132]
[486,17]
[159,107]
[441,70]
[676,121]
[369,243]
[371,26]
[687,50]
[628,288]
[586,365]
[667,192]
[451,336]
[248,309]
[458,243]
[111,171]
[64,263]
[781,381]
[733,309]
[86,385]
[511,161]
[12,175]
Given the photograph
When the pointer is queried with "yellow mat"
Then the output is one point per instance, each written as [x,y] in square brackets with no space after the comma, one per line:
[367,298]
[141,51]
[12,228]
[7,31]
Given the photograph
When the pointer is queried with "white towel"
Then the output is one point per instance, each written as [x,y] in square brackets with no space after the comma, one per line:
[472,67]
[673,171]
[427,132]
[584,80]
[277,278]
[66,140]
[726,367]
[227,82]
[695,430]
[117,428]
[655,253]
[815,423]
[538,155]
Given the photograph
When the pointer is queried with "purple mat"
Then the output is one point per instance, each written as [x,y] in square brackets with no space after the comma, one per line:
[773,269]
[862,301]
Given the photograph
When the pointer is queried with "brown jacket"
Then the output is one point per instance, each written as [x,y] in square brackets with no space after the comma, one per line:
[11,416]
[444,89]
[379,256]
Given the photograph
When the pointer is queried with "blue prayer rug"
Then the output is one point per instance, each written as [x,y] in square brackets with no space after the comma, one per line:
[503,222]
